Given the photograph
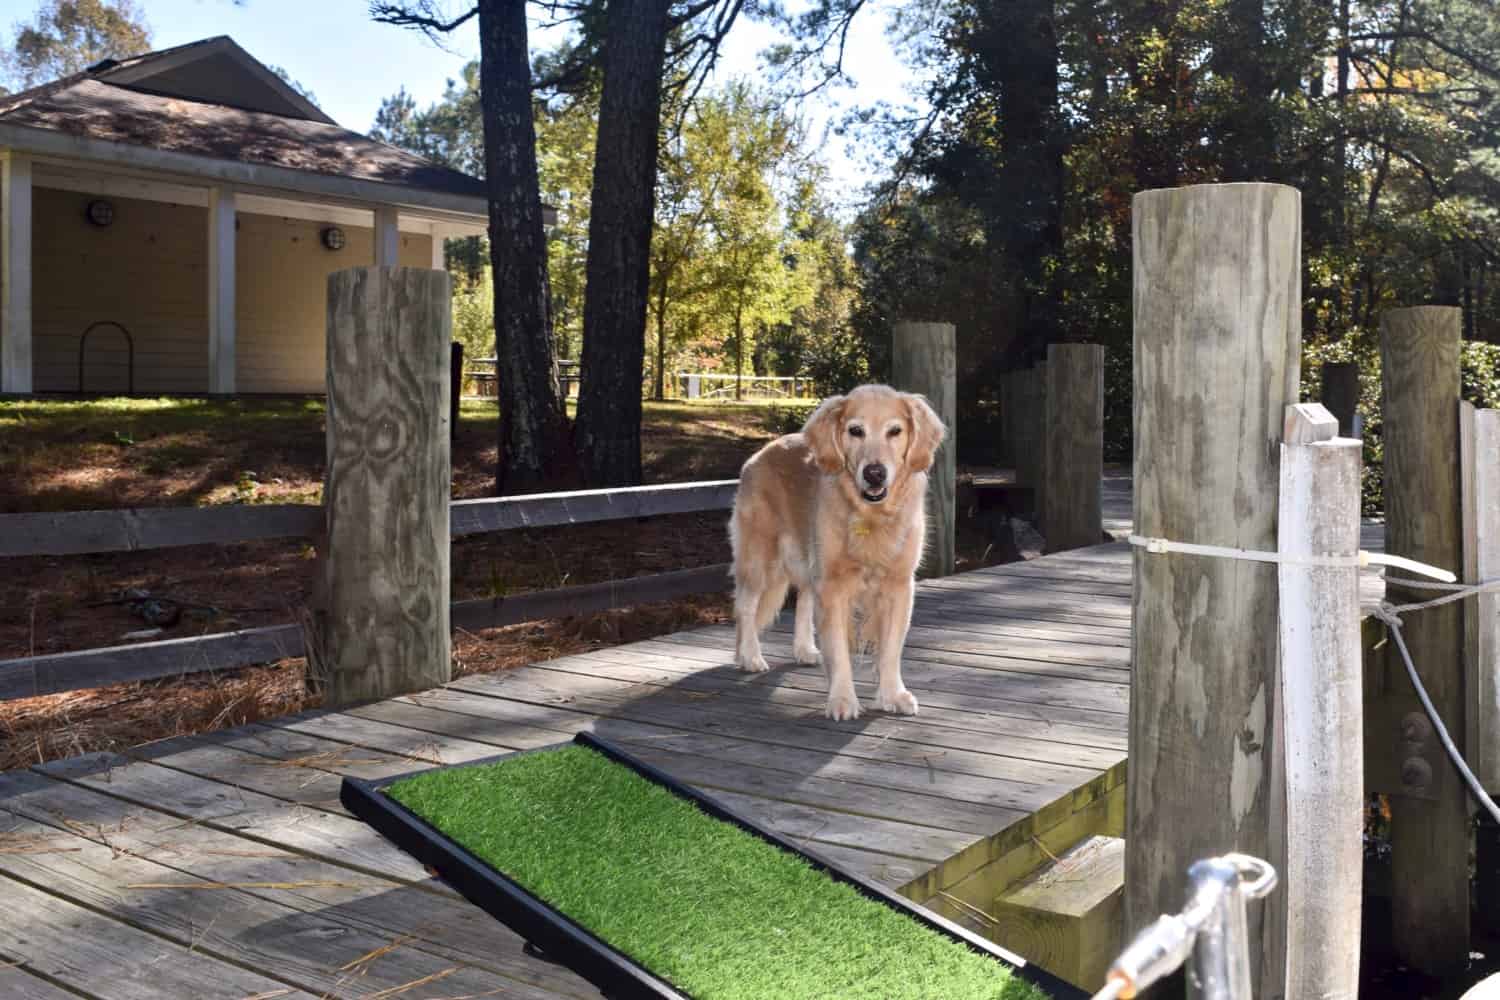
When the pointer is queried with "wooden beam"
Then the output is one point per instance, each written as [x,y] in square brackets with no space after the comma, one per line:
[221,290]
[1074,439]
[1321,698]
[15,273]
[1340,394]
[1429,837]
[586,599]
[1217,346]
[924,360]
[541,510]
[1480,436]
[384,630]
[387,236]
[135,529]
[439,243]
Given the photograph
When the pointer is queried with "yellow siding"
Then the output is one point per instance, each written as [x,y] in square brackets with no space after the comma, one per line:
[148,271]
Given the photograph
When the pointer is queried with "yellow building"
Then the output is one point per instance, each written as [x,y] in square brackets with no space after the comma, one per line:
[168,223]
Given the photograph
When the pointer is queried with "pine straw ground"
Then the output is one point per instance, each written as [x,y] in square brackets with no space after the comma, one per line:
[71,455]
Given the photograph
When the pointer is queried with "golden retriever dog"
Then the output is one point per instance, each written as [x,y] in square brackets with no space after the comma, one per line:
[839,512]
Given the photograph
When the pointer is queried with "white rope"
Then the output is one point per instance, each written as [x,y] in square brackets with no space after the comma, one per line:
[1354,560]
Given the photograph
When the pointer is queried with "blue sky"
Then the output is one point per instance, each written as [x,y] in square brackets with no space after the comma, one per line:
[351,63]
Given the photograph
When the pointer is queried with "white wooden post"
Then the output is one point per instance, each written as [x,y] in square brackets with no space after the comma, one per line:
[439,259]
[1321,698]
[15,273]
[1479,435]
[387,237]
[221,285]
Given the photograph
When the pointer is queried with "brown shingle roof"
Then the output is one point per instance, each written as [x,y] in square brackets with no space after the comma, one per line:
[85,107]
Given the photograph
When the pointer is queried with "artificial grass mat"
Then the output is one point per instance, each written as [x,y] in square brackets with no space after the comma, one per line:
[710,908]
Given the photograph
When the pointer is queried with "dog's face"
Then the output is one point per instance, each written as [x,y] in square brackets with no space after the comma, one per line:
[875,436]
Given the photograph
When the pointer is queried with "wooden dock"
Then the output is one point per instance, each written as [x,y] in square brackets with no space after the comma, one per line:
[224,866]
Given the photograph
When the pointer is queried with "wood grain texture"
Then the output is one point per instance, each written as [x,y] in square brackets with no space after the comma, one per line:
[1217,345]
[1340,393]
[1067,916]
[1321,698]
[924,360]
[134,529]
[1074,426]
[1481,448]
[1429,838]
[385,628]
[540,510]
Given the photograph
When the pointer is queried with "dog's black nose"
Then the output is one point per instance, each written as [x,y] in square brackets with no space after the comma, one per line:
[875,475]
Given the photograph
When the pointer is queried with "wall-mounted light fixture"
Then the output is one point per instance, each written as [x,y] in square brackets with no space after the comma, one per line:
[333,238]
[100,212]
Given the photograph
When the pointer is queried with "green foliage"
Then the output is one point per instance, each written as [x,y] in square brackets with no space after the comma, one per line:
[474,315]
[68,36]
[716,911]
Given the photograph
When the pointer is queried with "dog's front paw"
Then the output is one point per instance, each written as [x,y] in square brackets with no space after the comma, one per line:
[808,654]
[752,664]
[842,705]
[899,701]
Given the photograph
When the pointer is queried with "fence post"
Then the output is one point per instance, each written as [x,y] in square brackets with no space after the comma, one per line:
[1074,430]
[924,359]
[1479,433]
[1340,394]
[1217,293]
[386,492]
[1429,835]
[1322,705]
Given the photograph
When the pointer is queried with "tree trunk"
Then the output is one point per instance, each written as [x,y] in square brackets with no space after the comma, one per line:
[608,433]
[661,342]
[534,448]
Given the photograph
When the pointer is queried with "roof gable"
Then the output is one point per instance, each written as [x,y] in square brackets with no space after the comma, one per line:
[213,71]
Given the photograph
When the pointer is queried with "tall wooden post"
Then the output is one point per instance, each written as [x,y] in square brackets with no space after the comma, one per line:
[1429,836]
[1340,394]
[384,630]
[1217,344]
[1479,434]
[924,360]
[1321,697]
[1074,429]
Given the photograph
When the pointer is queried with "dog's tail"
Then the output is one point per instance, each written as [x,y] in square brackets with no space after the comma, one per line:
[771,601]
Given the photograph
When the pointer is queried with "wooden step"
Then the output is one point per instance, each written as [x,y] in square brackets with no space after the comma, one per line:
[1068,915]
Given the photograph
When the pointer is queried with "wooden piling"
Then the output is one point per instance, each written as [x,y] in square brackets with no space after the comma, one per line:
[1217,346]
[1321,697]
[384,630]
[924,360]
[1479,434]
[1429,836]
[1340,394]
[1074,430]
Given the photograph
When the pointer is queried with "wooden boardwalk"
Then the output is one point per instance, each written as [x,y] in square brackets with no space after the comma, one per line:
[224,866]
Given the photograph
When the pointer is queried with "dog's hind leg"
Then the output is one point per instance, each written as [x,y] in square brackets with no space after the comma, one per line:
[804,648]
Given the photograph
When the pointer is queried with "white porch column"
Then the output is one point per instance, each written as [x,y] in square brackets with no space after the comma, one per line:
[439,261]
[387,237]
[221,290]
[15,273]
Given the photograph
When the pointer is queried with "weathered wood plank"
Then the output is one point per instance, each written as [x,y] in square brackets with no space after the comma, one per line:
[48,674]
[136,528]
[470,517]
[436,923]
[1321,695]
[1217,347]
[1481,563]
[1429,838]
[1074,427]
[18,984]
[100,956]
[924,360]
[564,602]
[384,629]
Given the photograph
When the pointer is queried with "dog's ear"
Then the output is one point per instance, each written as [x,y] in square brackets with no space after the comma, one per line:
[822,434]
[927,432]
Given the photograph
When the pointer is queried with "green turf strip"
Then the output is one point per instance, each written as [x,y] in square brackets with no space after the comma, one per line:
[716,911]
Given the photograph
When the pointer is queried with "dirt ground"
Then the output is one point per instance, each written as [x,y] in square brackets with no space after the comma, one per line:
[145,453]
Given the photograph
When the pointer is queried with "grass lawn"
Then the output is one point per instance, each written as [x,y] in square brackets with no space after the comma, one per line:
[716,911]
